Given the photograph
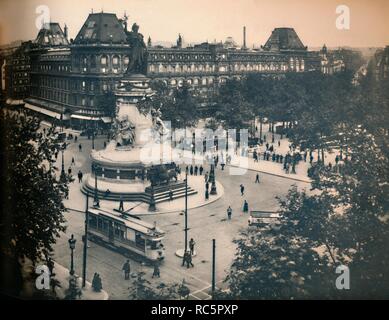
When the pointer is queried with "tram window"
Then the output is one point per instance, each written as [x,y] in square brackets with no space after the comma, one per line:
[93,222]
[119,232]
[105,225]
[100,224]
[153,245]
[139,240]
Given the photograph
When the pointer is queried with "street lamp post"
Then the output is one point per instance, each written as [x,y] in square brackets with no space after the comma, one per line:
[72,246]
[186,211]
[85,242]
[62,177]
[181,253]
[96,201]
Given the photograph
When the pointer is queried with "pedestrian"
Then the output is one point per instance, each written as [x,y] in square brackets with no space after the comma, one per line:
[75,138]
[242,189]
[80,147]
[196,170]
[222,164]
[279,143]
[73,163]
[79,175]
[184,258]
[229,212]
[156,272]
[191,246]
[189,260]
[127,269]
[257,178]
[206,194]
[191,170]
[201,170]
[121,204]
[245,206]
[170,195]
[70,171]
[96,283]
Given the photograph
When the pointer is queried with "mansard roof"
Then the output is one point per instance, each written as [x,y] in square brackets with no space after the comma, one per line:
[284,39]
[101,28]
[51,34]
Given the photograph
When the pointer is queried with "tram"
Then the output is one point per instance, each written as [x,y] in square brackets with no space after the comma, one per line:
[126,234]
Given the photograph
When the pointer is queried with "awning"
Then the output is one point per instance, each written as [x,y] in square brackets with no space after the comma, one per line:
[45,111]
[76,116]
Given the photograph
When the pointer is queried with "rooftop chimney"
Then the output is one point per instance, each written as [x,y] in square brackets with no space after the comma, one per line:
[65,31]
[244,37]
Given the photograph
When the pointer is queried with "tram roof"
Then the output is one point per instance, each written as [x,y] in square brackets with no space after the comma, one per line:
[143,227]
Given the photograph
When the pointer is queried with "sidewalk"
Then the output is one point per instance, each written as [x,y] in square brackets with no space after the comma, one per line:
[245,163]
[63,276]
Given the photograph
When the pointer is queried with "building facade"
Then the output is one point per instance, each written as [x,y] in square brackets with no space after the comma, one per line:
[71,81]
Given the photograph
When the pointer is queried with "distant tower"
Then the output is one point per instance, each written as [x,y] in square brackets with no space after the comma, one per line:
[179,41]
[65,31]
[125,19]
[244,38]
[149,43]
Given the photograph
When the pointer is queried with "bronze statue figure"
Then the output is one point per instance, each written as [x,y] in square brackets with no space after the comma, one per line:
[138,56]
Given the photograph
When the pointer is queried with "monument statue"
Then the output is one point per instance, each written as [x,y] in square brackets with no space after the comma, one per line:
[158,124]
[125,131]
[138,55]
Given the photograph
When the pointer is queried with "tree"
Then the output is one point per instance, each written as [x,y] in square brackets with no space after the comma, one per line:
[343,220]
[233,110]
[142,290]
[178,105]
[32,208]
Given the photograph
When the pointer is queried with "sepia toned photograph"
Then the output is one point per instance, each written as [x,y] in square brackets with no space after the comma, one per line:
[203,151]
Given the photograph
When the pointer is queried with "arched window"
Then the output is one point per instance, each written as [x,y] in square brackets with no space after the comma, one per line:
[104,60]
[93,61]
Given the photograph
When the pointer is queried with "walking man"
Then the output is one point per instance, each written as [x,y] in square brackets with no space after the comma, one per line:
[79,175]
[80,147]
[242,190]
[229,212]
[73,162]
[121,204]
[189,260]
[257,178]
[191,246]
[156,272]
[127,269]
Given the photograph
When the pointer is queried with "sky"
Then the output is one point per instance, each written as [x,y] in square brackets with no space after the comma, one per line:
[207,20]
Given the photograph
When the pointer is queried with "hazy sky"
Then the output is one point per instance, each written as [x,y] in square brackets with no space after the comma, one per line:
[201,20]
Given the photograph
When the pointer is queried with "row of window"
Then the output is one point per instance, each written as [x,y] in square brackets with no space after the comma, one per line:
[297,66]
[172,57]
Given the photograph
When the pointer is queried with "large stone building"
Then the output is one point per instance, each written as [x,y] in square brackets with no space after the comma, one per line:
[382,64]
[70,80]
